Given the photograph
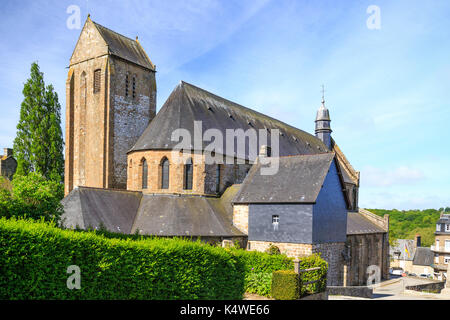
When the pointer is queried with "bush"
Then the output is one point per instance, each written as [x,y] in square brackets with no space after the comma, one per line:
[32,196]
[273,250]
[285,285]
[34,257]
[313,261]
[258,267]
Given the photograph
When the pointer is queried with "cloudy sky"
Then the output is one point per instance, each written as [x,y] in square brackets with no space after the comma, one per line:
[387,89]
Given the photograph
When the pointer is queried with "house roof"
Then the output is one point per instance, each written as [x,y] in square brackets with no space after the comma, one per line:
[298,180]
[188,103]
[124,47]
[423,257]
[358,224]
[155,214]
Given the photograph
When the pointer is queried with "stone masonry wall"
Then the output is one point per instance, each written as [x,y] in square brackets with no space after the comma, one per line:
[240,217]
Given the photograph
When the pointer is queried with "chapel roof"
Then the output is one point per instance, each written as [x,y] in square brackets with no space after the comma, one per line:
[188,103]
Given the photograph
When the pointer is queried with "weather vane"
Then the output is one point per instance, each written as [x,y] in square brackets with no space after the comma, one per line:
[323,93]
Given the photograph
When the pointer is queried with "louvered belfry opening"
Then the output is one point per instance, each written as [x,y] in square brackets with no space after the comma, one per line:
[97,80]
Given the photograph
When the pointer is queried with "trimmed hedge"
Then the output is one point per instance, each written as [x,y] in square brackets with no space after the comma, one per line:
[34,257]
[258,268]
[285,285]
[313,261]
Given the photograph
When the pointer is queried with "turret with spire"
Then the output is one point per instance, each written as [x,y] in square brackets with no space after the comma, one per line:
[323,129]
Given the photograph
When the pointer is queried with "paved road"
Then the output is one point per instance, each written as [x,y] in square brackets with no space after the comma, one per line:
[395,290]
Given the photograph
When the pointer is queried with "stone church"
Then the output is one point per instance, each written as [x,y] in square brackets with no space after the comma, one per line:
[121,171]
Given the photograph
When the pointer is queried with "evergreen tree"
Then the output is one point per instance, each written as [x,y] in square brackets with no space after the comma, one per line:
[38,146]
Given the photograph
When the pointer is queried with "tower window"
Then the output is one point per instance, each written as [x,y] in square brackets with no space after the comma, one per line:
[134,87]
[97,80]
[188,177]
[165,174]
[126,85]
[144,174]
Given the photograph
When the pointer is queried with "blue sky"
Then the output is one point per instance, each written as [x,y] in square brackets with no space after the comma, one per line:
[387,90]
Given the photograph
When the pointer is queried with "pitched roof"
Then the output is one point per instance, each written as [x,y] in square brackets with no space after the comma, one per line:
[298,180]
[358,224]
[188,103]
[165,215]
[124,47]
[91,207]
[423,257]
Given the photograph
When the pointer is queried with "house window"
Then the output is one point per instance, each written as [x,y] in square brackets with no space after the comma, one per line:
[188,170]
[275,221]
[447,245]
[97,79]
[126,85]
[165,174]
[446,259]
[438,227]
[134,87]
[447,227]
[144,174]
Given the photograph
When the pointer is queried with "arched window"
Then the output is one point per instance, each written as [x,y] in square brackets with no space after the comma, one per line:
[134,86]
[188,170]
[144,174]
[126,85]
[218,177]
[165,173]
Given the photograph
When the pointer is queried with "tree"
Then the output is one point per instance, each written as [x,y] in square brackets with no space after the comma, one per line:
[32,196]
[38,146]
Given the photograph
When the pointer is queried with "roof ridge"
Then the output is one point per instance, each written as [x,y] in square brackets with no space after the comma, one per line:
[99,25]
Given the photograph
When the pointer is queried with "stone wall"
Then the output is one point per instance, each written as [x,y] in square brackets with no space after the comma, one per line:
[330,252]
[8,167]
[363,251]
[101,126]
[204,175]
[240,217]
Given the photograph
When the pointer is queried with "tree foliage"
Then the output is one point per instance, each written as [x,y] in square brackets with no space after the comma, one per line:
[406,224]
[38,146]
[32,196]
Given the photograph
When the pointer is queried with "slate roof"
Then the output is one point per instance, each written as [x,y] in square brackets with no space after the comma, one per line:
[124,47]
[156,214]
[188,103]
[358,224]
[423,257]
[298,180]
[400,248]
[91,207]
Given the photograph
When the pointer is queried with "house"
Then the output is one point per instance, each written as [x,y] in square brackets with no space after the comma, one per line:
[8,164]
[441,248]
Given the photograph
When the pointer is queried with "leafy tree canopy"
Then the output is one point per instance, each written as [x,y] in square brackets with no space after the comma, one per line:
[38,146]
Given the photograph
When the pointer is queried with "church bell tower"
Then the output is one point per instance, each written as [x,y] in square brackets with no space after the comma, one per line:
[323,128]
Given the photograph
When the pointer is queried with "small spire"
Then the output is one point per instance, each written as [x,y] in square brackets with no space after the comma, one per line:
[136,38]
[323,95]
[89,15]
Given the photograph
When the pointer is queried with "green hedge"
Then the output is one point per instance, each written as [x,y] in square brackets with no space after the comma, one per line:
[313,261]
[34,257]
[285,285]
[258,268]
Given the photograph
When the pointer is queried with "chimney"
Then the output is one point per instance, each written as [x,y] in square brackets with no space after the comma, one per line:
[418,239]
[265,151]
[8,152]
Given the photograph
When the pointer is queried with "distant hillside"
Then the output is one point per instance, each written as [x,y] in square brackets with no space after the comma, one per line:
[405,224]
